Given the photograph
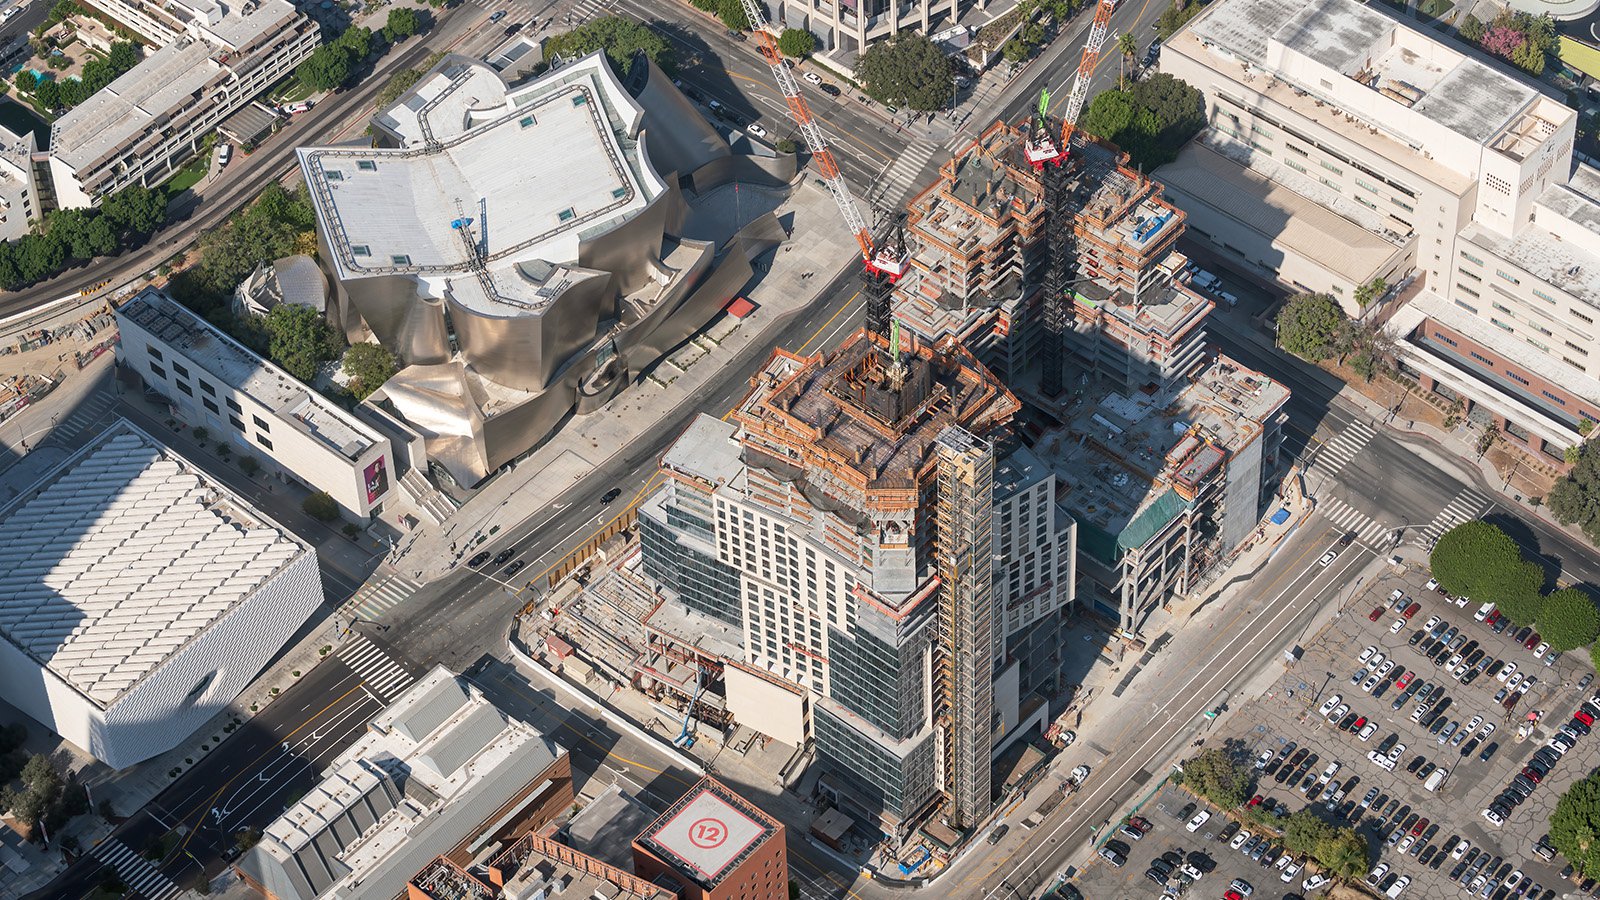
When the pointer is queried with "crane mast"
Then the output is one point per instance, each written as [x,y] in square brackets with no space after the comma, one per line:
[1047,152]
[884,264]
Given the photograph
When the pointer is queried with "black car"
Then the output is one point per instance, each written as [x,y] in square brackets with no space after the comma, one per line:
[1578,725]
[1428,854]
[1203,864]
[830,90]
[1227,833]
[504,555]
[1069,892]
[478,559]
[1416,638]
[1414,765]
[1164,865]
[513,569]
[611,495]
[1150,874]
[1522,634]
[1187,812]
[1501,625]
[1470,676]
[1468,747]
[513,28]
[1458,869]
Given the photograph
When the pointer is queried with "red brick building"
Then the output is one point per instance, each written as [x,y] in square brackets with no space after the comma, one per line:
[714,845]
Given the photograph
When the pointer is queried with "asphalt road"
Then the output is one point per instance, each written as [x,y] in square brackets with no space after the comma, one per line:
[244,783]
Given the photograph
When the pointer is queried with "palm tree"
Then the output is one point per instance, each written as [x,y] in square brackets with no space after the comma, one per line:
[1125,43]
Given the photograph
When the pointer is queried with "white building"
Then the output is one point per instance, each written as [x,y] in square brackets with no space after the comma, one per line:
[1345,145]
[216,383]
[138,597]
[440,769]
[19,204]
[215,57]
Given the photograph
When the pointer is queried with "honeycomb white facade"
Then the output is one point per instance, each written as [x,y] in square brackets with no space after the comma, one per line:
[138,597]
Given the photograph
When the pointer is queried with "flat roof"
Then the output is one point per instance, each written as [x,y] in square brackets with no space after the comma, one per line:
[1560,262]
[1353,246]
[162,82]
[441,204]
[1475,100]
[708,449]
[705,833]
[122,554]
[236,366]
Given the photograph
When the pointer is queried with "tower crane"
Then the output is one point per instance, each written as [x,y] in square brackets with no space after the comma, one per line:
[1047,153]
[883,263]
[1042,149]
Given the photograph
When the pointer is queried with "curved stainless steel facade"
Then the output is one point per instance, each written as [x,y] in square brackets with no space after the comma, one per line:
[501,349]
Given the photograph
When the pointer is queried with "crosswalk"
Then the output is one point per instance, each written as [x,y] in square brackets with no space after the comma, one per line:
[902,174]
[1337,453]
[382,675]
[1463,507]
[136,872]
[378,597]
[1348,518]
[84,416]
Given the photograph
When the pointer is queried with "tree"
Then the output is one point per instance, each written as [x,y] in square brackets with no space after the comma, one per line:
[369,366]
[1129,47]
[1309,325]
[1575,826]
[403,22]
[1576,497]
[1216,777]
[1151,120]
[1569,620]
[620,38]
[320,506]
[908,70]
[26,81]
[1175,16]
[48,93]
[1344,854]
[1472,29]
[1109,114]
[357,42]
[135,211]
[1371,291]
[1476,559]
[398,84]
[796,42]
[325,69]
[299,339]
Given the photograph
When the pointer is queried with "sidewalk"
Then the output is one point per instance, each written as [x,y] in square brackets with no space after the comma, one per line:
[1459,448]
[798,271]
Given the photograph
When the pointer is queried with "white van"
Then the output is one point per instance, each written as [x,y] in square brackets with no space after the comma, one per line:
[1436,779]
[224,153]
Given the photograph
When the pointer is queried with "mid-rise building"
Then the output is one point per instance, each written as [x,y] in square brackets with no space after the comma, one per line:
[841,528]
[850,26]
[19,202]
[214,58]
[212,381]
[534,867]
[713,844]
[1165,485]
[138,596]
[1346,145]
[978,249]
[515,295]
[441,772]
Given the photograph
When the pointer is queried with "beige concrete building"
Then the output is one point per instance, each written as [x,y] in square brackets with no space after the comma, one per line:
[1345,145]
[214,58]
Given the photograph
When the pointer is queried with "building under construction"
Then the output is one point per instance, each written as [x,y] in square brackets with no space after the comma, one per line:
[861,531]
[1165,485]
[979,239]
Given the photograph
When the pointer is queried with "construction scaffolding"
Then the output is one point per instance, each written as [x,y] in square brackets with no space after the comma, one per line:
[965,651]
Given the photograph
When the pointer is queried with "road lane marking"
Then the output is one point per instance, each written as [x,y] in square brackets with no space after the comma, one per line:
[1112,780]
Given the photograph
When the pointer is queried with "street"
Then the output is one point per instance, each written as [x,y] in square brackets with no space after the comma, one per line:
[1367,480]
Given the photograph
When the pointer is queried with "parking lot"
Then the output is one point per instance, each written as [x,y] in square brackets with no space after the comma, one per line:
[1331,730]
[1208,847]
